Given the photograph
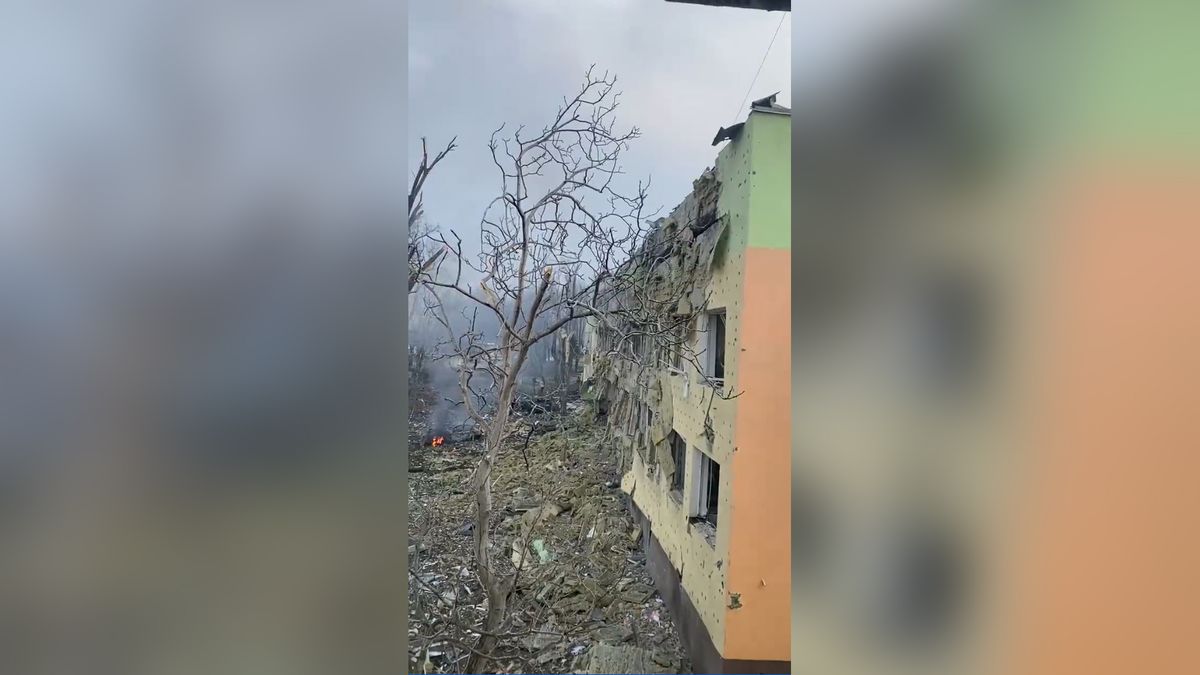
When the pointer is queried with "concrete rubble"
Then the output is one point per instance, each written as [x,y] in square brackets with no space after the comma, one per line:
[583,599]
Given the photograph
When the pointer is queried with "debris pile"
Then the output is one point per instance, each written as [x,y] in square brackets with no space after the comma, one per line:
[561,527]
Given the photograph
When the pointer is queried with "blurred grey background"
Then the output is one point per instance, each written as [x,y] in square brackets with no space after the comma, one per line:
[201,333]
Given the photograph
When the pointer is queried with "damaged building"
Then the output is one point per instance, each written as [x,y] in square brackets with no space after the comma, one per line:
[708,437]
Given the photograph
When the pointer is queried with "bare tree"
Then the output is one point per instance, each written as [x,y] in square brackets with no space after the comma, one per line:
[420,257]
[566,239]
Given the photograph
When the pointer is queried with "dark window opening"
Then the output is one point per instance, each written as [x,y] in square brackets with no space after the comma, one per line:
[712,494]
[679,457]
[706,494]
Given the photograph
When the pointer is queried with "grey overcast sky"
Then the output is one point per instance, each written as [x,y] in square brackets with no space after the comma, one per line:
[683,70]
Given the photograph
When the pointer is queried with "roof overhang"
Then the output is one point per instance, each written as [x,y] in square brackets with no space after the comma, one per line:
[768,5]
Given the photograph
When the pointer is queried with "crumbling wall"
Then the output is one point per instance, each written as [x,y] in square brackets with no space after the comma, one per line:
[683,248]
[704,240]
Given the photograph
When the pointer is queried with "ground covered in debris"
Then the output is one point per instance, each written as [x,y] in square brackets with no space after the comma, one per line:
[561,525]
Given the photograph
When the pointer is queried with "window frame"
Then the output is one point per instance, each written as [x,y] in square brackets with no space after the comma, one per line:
[679,453]
[714,347]
[702,495]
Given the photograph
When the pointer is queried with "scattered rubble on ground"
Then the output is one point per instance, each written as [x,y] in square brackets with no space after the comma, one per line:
[607,658]
[561,525]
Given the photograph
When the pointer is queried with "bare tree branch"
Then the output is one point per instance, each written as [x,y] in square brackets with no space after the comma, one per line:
[420,260]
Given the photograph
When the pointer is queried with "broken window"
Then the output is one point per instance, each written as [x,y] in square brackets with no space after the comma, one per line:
[715,348]
[706,491]
[712,490]
[642,343]
[679,457]
[678,344]
[635,344]
[665,347]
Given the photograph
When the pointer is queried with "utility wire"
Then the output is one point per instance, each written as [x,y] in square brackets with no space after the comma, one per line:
[736,113]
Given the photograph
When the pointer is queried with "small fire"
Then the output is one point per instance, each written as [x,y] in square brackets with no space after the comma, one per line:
[437,440]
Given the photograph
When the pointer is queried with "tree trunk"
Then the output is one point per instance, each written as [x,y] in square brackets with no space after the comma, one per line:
[496,586]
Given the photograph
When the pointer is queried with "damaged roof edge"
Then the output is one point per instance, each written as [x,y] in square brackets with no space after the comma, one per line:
[728,133]
[766,105]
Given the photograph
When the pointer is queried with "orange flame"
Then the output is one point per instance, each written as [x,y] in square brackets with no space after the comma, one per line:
[437,440]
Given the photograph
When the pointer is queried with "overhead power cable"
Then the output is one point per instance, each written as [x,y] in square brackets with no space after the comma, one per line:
[737,113]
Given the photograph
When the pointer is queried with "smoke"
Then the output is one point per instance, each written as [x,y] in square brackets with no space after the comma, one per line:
[547,369]
[467,322]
